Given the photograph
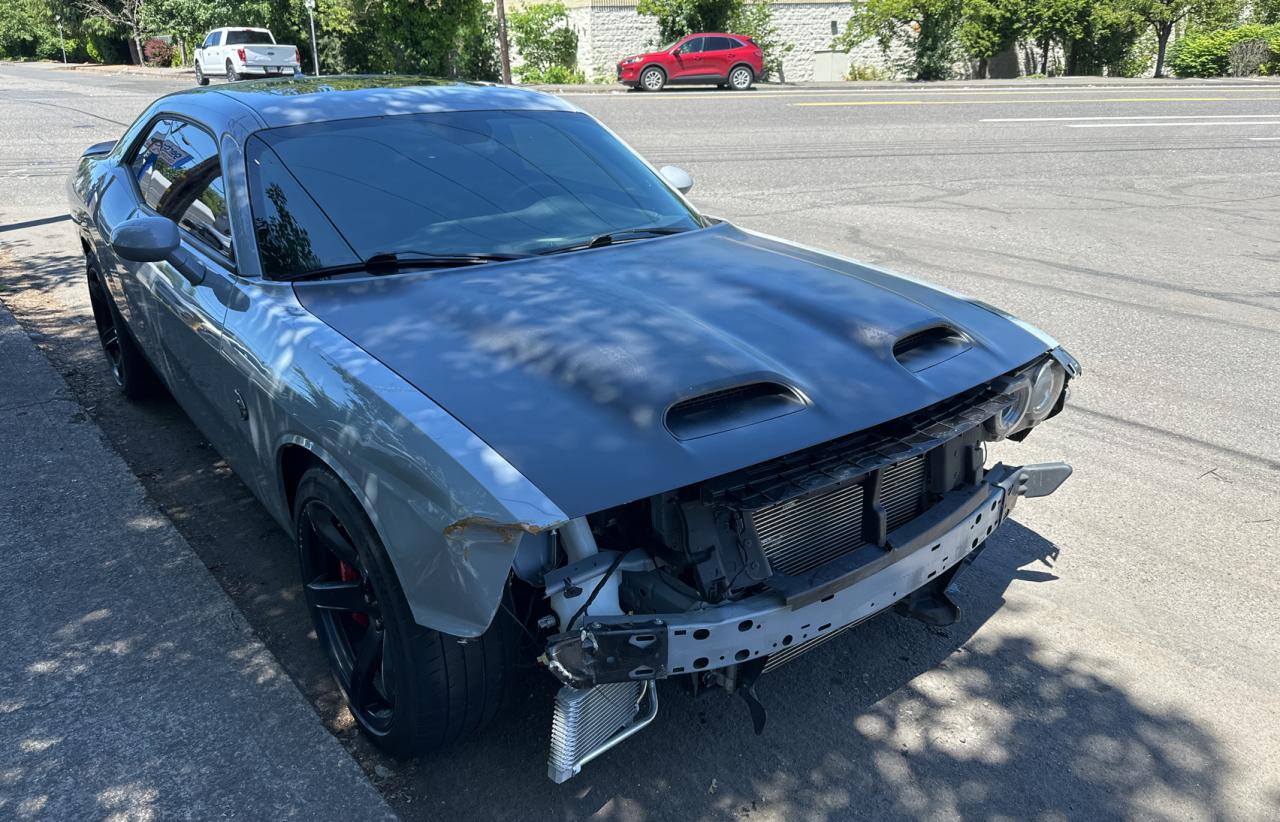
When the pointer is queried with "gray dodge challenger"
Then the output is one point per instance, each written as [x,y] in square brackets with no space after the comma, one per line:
[514,396]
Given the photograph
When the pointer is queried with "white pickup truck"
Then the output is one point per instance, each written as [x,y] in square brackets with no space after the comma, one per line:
[242,52]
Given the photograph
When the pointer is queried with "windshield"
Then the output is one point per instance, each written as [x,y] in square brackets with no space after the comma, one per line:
[242,37]
[457,183]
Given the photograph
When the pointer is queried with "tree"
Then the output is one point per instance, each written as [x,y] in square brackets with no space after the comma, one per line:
[676,18]
[927,27]
[1048,21]
[1265,11]
[988,28]
[546,42]
[189,20]
[124,13]
[25,27]
[1108,39]
[755,20]
[1163,15]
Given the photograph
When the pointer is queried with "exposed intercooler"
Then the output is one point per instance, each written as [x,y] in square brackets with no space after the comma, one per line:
[801,533]
[589,721]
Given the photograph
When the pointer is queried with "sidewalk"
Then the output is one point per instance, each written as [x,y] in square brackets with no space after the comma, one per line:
[131,687]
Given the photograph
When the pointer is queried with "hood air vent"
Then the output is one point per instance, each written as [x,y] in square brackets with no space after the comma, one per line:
[925,349]
[731,408]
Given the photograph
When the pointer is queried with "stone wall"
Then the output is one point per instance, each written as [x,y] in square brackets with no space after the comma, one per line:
[611,29]
[609,32]
[809,27]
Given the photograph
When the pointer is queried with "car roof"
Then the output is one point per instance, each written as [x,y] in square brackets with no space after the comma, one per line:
[320,99]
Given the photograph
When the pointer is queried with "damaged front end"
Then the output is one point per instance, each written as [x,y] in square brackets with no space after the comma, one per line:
[726,580]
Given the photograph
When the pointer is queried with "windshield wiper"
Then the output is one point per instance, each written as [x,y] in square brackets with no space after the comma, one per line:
[620,236]
[393,262]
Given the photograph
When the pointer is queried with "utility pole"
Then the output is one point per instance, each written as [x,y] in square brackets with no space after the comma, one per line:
[63,43]
[504,51]
[311,13]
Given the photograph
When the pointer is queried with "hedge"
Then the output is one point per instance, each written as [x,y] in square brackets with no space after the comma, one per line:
[1207,53]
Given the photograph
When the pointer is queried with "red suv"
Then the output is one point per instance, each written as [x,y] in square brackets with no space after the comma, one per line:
[726,60]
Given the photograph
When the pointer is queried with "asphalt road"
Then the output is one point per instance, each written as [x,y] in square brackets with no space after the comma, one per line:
[1119,653]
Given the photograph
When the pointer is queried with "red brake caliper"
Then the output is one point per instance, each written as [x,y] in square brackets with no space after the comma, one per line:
[348,574]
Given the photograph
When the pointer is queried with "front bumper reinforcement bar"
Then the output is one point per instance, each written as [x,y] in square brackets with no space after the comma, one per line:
[795,610]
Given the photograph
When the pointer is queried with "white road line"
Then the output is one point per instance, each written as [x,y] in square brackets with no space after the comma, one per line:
[1130,117]
[1179,123]
[1263,139]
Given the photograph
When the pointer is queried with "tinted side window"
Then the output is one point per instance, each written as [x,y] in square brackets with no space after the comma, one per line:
[718,44]
[215,38]
[151,183]
[180,176]
[693,46]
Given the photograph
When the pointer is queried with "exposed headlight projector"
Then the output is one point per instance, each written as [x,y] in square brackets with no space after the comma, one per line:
[1035,393]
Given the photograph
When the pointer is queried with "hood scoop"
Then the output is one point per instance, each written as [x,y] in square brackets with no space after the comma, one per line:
[730,408]
[924,349]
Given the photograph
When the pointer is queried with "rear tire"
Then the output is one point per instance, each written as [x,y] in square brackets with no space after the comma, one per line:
[418,689]
[653,79]
[129,368]
[231,73]
[741,78]
[200,78]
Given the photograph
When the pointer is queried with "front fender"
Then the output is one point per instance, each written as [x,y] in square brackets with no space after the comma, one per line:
[449,510]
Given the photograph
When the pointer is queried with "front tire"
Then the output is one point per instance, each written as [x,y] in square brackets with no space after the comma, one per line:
[410,689]
[653,79]
[201,80]
[129,368]
[741,78]
[231,73]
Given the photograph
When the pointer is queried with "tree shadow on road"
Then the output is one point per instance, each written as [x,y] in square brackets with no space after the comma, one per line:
[891,720]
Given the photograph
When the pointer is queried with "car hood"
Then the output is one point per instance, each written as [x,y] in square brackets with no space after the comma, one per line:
[567,365]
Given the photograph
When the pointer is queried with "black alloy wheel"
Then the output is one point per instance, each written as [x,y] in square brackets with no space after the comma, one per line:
[411,689]
[104,317]
[347,615]
[129,367]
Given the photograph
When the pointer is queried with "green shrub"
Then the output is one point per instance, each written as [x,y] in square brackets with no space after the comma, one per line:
[1208,53]
[551,76]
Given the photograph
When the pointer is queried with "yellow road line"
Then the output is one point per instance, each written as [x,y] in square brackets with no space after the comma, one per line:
[1059,100]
